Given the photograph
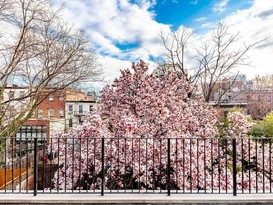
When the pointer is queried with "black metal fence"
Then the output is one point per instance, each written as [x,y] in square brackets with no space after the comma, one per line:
[136,165]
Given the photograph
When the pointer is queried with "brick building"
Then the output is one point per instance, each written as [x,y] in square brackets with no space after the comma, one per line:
[256,102]
[52,109]
[260,102]
[230,90]
[59,111]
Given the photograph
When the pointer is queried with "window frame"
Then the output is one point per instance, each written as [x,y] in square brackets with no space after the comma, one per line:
[61,113]
[11,94]
[61,97]
[51,97]
[40,114]
[81,109]
[70,110]
[49,113]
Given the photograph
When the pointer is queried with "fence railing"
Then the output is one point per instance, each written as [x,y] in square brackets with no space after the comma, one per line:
[136,165]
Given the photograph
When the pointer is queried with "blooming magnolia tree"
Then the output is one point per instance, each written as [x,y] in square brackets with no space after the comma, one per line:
[253,155]
[140,105]
[138,113]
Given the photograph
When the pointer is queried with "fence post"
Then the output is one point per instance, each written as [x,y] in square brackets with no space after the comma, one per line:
[168,168]
[35,169]
[102,166]
[234,167]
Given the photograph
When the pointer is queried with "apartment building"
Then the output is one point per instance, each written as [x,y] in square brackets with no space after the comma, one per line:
[260,102]
[77,106]
[14,99]
[256,102]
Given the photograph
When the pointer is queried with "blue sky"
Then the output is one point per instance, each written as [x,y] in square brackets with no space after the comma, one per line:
[123,31]
[191,13]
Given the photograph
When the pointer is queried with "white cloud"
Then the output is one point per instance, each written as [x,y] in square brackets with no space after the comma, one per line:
[119,21]
[208,25]
[252,24]
[220,7]
[255,24]
[115,21]
[112,67]
[112,22]
[201,19]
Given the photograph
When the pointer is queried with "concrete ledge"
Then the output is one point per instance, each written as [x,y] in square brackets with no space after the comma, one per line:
[136,199]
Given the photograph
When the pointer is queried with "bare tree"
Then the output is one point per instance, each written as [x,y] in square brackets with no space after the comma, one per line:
[262,82]
[260,100]
[176,44]
[40,52]
[217,57]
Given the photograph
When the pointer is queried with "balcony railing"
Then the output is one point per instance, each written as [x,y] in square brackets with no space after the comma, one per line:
[140,165]
[80,113]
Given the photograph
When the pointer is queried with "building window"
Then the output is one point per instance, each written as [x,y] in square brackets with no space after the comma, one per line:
[80,108]
[11,94]
[70,108]
[51,113]
[269,98]
[11,111]
[21,93]
[80,121]
[61,97]
[61,113]
[28,133]
[50,97]
[91,108]
[40,114]
[70,122]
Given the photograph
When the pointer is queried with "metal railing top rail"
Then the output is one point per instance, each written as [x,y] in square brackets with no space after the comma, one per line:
[141,137]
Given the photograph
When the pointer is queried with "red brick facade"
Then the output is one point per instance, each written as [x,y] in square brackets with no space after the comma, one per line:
[260,102]
[52,106]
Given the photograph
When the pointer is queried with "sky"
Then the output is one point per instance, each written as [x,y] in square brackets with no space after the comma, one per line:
[125,31]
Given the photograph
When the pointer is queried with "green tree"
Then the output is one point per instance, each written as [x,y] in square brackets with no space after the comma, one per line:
[264,128]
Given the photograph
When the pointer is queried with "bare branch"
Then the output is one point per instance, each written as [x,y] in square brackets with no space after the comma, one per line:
[41,53]
[220,58]
[216,57]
